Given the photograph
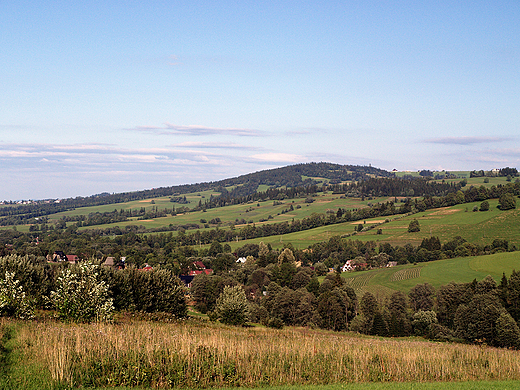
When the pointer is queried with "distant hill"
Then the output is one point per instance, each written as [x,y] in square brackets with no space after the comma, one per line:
[289,176]
[299,175]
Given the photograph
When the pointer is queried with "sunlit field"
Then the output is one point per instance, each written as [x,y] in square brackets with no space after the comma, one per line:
[199,355]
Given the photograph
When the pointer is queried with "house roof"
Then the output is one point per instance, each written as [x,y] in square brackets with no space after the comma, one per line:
[199,264]
[199,272]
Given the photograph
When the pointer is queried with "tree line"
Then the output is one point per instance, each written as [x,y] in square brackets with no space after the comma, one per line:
[271,289]
[282,294]
[129,290]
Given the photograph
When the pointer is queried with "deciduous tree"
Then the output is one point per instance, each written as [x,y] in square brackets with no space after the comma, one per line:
[232,307]
[81,295]
[507,201]
[421,297]
[414,226]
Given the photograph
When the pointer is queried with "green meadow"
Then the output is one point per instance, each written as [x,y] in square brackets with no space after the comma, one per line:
[383,282]
[445,223]
[253,212]
[460,220]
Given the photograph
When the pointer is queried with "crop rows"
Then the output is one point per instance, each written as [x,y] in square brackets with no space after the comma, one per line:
[359,281]
[405,274]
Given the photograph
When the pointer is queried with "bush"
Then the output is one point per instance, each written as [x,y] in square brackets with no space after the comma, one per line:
[507,201]
[414,226]
[150,292]
[507,332]
[81,295]
[36,278]
[232,307]
[13,301]
[275,322]
[439,332]
[422,321]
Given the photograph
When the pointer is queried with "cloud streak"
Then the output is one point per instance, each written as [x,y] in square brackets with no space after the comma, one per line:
[191,130]
[466,140]
[44,171]
[85,157]
[215,145]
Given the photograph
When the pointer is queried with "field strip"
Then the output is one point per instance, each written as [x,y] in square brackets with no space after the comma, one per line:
[380,292]
[359,281]
[405,274]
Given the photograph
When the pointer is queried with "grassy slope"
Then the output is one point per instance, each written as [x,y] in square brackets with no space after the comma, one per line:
[250,212]
[382,282]
[446,223]
[207,354]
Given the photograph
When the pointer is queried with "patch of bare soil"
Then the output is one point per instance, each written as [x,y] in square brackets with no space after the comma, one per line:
[376,221]
[445,211]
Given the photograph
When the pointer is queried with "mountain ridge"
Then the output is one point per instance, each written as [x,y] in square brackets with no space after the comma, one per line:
[290,176]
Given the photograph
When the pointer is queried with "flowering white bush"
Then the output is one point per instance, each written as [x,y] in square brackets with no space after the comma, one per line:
[13,301]
[81,295]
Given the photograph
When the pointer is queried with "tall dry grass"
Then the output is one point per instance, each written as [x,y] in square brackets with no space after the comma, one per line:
[195,355]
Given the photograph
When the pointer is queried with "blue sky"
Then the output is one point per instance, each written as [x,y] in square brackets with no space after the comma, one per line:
[127,95]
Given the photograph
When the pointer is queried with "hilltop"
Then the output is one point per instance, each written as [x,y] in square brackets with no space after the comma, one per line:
[288,176]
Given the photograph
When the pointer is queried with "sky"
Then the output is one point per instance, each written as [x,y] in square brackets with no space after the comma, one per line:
[115,96]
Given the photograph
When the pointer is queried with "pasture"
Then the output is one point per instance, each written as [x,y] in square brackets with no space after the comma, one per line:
[253,212]
[445,223]
[383,282]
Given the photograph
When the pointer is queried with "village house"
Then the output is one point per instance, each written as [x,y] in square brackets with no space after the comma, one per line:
[73,259]
[198,268]
[60,256]
[347,266]
[350,266]
[111,262]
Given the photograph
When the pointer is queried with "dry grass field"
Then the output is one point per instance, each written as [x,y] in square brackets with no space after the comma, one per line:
[200,355]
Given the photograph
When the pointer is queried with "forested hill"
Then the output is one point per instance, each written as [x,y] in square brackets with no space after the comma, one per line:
[299,175]
[290,176]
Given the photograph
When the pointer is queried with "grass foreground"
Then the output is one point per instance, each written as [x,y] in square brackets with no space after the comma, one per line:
[192,354]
